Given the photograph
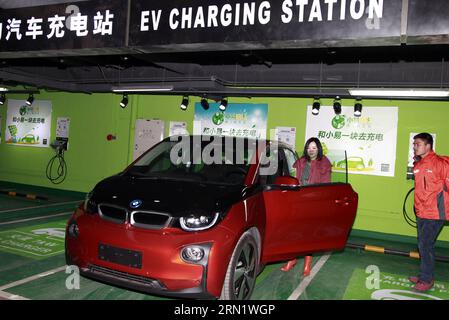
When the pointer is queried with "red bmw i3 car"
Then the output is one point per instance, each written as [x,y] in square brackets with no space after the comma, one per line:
[200,216]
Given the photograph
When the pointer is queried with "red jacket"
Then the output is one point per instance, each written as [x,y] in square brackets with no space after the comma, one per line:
[431,187]
[320,170]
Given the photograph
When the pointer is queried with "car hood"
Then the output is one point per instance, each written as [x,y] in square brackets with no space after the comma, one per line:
[176,197]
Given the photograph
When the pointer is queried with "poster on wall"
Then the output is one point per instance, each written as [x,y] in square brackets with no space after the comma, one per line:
[147,134]
[286,135]
[28,125]
[238,120]
[177,128]
[62,127]
[369,140]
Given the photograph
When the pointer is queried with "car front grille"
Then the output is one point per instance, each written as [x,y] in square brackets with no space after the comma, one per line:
[113,213]
[103,272]
[149,219]
[138,219]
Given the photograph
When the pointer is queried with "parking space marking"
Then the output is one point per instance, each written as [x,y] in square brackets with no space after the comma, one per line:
[306,281]
[32,278]
[39,207]
[9,296]
[36,218]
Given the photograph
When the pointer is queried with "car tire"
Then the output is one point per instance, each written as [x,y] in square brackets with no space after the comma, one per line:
[242,270]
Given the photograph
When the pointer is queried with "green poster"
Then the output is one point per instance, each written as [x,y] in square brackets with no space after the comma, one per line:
[28,125]
[369,140]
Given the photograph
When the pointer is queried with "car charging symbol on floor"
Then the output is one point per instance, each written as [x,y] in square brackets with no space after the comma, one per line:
[135,203]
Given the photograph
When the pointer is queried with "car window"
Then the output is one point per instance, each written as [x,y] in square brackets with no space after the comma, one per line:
[290,158]
[210,161]
[271,166]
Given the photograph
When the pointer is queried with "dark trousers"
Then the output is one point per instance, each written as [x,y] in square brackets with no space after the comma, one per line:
[428,231]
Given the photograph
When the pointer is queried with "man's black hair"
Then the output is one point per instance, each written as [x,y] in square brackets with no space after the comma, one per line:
[426,137]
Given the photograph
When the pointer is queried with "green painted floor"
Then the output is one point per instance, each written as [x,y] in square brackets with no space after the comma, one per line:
[347,275]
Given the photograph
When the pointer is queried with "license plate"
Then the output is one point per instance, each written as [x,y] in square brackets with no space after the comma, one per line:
[124,257]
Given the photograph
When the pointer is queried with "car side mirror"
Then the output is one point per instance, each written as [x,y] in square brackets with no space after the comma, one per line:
[286,181]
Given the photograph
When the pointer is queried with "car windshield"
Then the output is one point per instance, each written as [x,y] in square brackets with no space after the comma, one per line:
[216,160]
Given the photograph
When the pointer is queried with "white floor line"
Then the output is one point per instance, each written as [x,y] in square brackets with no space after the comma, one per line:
[10,296]
[36,218]
[306,281]
[38,207]
[32,278]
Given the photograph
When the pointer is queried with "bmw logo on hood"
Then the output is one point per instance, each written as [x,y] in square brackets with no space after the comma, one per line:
[135,203]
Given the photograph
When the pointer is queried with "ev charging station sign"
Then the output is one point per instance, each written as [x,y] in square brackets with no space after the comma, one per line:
[87,25]
[28,125]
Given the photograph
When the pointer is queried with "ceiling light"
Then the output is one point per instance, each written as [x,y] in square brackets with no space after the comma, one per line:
[184,103]
[124,101]
[316,106]
[424,93]
[30,100]
[2,99]
[204,104]
[223,104]
[142,89]
[358,108]
[337,105]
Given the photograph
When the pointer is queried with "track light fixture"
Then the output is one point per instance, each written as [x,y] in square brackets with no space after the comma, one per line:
[30,99]
[184,103]
[2,99]
[223,104]
[316,106]
[337,105]
[124,101]
[358,107]
[204,103]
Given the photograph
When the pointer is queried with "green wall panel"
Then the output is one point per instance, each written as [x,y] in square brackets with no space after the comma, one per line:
[91,157]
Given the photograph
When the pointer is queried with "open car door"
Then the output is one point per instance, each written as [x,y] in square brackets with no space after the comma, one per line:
[304,219]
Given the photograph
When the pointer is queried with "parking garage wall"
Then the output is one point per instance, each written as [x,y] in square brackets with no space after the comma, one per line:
[92,157]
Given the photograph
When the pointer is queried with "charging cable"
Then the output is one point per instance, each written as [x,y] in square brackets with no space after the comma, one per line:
[61,170]
[407,218]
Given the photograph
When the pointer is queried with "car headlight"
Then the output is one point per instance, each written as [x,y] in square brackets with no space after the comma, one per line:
[73,229]
[199,222]
[89,205]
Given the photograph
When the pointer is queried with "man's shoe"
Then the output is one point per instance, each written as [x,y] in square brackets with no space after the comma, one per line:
[422,286]
[413,279]
[289,265]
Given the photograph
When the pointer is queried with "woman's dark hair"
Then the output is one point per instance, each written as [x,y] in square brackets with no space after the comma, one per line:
[319,146]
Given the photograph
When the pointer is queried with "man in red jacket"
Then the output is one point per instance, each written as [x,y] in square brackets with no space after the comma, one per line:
[431,204]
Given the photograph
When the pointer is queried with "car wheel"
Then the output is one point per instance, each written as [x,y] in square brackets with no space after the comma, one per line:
[242,270]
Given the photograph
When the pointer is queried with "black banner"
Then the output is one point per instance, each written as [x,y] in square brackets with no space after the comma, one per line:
[82,25]
[212,24]
[428,22]
[101,26]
